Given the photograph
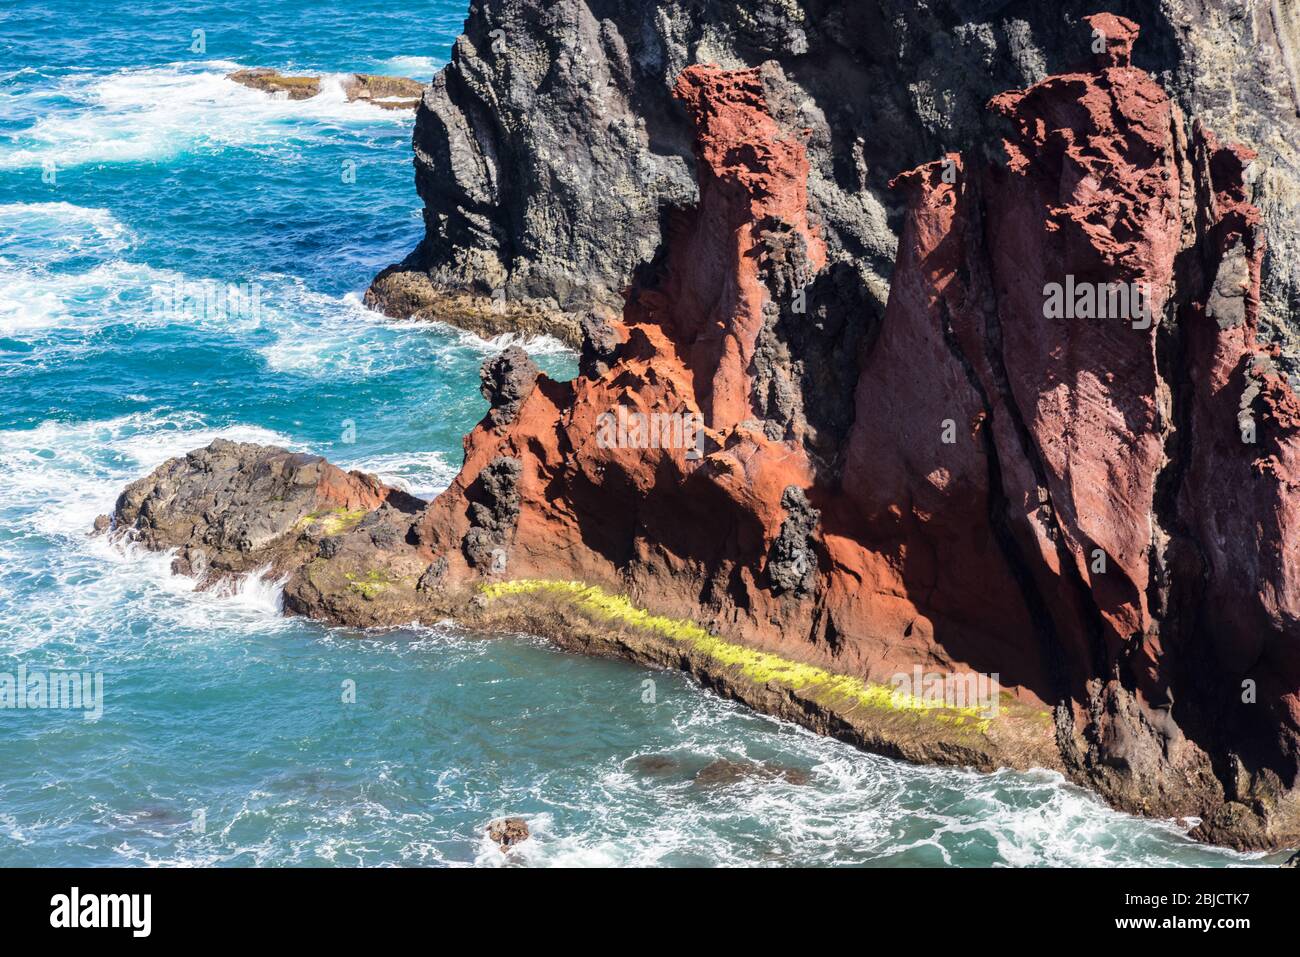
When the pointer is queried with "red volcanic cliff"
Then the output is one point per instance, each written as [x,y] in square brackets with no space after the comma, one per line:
[1095,501]
[1062,456]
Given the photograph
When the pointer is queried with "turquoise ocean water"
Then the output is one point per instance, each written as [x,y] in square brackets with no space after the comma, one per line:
[129,166]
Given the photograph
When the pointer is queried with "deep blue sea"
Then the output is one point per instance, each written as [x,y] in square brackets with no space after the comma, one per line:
[129,165]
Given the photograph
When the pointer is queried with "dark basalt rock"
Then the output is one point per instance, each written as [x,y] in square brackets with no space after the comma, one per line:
[232,509]
[244,504]
[792,566]
[433,576]
[563,109]
[599,346]
[507,379]
[493,515]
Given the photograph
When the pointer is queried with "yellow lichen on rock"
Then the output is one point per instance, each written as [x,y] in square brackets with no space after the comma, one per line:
[761,667]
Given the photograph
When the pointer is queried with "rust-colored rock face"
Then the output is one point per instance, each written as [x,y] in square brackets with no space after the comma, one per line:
[1062,456]
[650,509]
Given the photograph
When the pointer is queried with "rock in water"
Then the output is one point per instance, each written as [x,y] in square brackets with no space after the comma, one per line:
[234,508]
[273,81]
[388,92]
[724,773]
[508,832]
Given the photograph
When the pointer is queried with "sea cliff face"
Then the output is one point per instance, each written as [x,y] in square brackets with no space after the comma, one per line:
[549,148]
[1059,450]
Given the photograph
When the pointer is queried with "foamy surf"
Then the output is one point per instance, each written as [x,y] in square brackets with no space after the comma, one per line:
[55,479]
[416,67]
[60,230]
[153,114]
[423,474]
[57,460]
[534,345]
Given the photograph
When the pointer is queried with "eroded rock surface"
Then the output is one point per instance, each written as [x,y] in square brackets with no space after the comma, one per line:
[235,508]
[508,832]
[1014,491]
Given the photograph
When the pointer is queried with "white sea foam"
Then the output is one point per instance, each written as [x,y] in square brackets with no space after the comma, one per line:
[54,480]
[33,299]
[533,345]
[58,476]
[142,115]
[258,593]
[856,808]
[38,236]
[335,335]
[416,67]
[58,229]
[319,335]
[420,473]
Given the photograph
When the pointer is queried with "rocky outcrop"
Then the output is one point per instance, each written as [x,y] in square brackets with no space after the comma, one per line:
[508,832]
[235,509]
[1062,454]
[549,148]
[507,380]
[388,92]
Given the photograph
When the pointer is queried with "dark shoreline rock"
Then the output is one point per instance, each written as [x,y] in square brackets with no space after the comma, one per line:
[405,292]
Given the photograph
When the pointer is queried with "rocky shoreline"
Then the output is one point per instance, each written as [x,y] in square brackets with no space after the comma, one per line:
[386,92]
[344,541]
[797,485]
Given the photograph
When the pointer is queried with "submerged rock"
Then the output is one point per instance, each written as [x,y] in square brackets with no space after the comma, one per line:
[655,764]
[723,772]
